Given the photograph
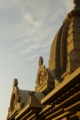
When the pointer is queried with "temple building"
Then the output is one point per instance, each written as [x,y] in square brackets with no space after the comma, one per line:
[57,91]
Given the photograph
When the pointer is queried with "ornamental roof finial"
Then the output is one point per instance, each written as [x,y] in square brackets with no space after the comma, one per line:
[76,2]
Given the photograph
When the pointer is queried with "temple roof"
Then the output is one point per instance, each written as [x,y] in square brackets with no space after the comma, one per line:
[64,60]
[64,47]
[21,98]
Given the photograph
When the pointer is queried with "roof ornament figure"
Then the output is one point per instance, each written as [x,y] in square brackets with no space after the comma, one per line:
[40,61]
[41,72]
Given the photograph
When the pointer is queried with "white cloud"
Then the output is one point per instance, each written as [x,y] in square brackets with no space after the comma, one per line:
[32,57]
[25,40]
[36,47]
[26,51]
[44,51]
[19,44]
[29,19]
[29,49]
[33,47]
[12,55]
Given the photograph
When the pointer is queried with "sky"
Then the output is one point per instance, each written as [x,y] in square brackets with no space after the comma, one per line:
[27,29]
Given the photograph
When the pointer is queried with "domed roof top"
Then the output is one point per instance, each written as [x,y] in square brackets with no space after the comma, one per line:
[65,48]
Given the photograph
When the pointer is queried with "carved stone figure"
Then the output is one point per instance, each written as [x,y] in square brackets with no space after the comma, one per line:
[42,71]
[15,96]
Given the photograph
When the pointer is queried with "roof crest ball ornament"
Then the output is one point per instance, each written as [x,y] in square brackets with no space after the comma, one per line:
[74,13]
[76,2]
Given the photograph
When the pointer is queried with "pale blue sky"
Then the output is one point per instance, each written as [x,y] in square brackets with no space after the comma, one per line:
[27,28]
